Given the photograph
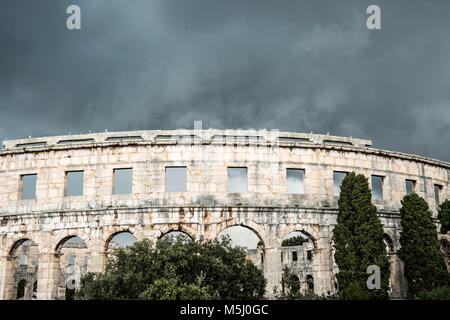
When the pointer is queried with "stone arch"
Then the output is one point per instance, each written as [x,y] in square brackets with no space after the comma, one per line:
[259,230]
[247,228]
[20,267]
[309,279]
[162,235]
[62,271]
[179,227]
[58,239]
[102,247]
[396,278]
[17,240]
[259,254]
[60,244]
[306,230]
[389,243]
[16,245]
[112,235]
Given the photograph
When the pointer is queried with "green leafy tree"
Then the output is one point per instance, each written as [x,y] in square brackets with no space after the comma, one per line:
[439,293]
[424,264]
[444,216]
[176,269]
[294,241]
[358,238]
[290,289]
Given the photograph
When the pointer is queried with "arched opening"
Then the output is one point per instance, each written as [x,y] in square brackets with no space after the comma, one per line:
[310,283]
[120,239]
[21,289]
[174,235]
[298,238]
[22,269]
[247,239]
[72,258]
[297,253]
[389,243]
[295,284]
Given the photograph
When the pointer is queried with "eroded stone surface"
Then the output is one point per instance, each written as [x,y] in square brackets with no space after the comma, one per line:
[206,208]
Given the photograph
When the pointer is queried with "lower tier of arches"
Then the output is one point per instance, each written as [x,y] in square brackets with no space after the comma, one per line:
[47,234]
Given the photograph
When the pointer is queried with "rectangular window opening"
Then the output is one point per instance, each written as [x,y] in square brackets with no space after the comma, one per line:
[410,186]
[123,181]
[295,181]
[29,186]
[74,183]
[338,177]
[71,260]
[309,255]
[437,191]
[176,179]
[294,256]
[237,180]
[377,187]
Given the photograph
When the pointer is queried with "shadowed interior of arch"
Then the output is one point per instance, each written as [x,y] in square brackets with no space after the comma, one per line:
[389,243]
[74,257]
[297,254]
[25,260]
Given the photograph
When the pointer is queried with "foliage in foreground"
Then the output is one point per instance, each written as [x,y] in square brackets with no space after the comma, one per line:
[444,216]
[175,269]
[359,241]
[290,289]
[425,267]
[440,293]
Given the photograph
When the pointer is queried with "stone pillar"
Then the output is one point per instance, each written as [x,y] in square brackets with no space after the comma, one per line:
[323,267]
[48,276]
[98,255]
[28,294]
[272,269]
[6,278]
[398,281]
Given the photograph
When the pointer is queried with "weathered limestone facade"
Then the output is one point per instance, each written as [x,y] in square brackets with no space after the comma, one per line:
[206,208]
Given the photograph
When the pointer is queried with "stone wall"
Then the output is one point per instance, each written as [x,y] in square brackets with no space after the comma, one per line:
[206,208]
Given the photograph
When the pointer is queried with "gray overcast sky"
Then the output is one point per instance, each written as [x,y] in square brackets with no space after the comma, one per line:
[288,65]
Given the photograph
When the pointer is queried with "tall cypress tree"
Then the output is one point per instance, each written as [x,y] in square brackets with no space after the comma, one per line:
[444,216]
[359,243]
[424,264]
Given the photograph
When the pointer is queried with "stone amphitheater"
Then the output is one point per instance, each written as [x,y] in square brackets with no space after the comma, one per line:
[273,183]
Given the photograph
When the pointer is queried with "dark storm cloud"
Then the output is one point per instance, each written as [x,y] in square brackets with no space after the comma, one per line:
[289,65]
